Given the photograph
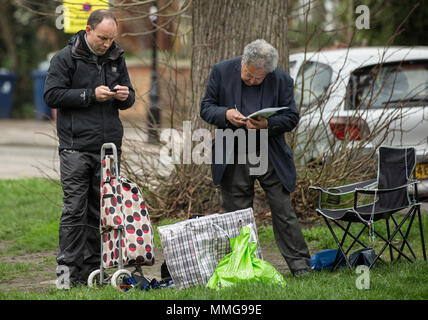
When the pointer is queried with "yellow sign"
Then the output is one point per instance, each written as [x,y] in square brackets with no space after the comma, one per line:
[422,171]
[76,13]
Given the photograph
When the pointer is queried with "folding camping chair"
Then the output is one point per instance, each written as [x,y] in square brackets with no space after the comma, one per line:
[393,191]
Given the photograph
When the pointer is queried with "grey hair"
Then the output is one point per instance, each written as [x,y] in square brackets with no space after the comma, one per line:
[261,54]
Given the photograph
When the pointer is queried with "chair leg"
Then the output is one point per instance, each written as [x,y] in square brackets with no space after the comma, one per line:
[337,242]
[421,230]
[389,237]
[351,235]
[356,239]
[338,260]
[388,241]
[405,242]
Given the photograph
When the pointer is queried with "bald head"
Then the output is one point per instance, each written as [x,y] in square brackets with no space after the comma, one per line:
[101,30]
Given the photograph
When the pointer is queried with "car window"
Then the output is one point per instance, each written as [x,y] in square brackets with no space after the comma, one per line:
[316,79]
[389,85]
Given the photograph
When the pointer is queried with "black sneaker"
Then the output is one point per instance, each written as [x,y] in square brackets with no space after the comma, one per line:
[301,272]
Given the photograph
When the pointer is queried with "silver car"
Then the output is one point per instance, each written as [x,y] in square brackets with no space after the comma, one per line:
[374,95]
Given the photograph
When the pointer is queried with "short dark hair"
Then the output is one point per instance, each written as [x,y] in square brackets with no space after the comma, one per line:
[98,16]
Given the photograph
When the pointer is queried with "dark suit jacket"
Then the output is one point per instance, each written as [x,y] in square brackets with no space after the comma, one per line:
[223,92]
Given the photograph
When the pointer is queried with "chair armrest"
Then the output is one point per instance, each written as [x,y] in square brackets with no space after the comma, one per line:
[340,190]
[380,191]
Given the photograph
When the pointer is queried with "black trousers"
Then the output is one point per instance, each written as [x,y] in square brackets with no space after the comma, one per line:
[237,187]
[79,237]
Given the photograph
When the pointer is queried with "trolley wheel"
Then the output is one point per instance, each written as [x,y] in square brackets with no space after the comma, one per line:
[118,277]
[94,278]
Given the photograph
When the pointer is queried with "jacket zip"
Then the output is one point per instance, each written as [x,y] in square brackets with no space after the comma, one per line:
[102,77]
[72,134]
[103,81]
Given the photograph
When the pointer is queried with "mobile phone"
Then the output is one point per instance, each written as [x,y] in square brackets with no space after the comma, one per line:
[113,89]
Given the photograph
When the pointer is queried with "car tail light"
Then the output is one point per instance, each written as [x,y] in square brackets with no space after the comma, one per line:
[351,128]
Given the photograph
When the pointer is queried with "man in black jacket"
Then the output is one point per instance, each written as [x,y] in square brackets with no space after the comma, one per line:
[237,88]
[87,82]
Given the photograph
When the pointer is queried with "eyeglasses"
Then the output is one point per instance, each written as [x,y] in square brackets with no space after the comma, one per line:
[250,75]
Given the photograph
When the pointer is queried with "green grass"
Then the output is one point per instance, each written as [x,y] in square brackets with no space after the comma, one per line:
[29,216]
[396,281]
[14,270]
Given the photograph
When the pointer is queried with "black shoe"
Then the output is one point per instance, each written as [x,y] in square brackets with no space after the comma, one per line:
[301,272]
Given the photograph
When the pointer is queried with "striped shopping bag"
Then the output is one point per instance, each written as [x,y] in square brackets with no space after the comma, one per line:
[193,248]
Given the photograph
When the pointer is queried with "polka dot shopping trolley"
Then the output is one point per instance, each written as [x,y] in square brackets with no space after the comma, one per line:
[125,228]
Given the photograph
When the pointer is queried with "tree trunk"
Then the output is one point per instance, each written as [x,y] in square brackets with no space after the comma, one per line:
[7,33]
[222,28]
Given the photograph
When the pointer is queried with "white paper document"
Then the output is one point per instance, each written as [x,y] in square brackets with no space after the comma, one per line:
[265,113]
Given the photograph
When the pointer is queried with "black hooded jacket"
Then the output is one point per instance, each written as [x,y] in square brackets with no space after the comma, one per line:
[83,123]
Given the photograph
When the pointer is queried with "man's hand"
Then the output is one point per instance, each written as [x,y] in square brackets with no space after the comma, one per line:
[103,93]
[122,92]
[259,123]
[235,117]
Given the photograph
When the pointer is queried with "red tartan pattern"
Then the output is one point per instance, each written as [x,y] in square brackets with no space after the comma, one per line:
[193,248]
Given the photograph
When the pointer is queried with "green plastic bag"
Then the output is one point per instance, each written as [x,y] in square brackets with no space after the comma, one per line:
[242,264]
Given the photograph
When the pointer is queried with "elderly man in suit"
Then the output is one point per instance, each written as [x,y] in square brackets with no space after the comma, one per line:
[237,88]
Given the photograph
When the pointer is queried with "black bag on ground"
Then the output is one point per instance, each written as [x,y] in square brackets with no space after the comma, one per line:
[364,256]
[165,276]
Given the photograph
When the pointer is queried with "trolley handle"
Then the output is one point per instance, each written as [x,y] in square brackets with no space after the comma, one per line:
[108,146]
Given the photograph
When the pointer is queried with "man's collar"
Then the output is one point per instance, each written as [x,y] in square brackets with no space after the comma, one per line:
[89,46]
[80,48]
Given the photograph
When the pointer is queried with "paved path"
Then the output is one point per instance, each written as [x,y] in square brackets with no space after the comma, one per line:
[29,148]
